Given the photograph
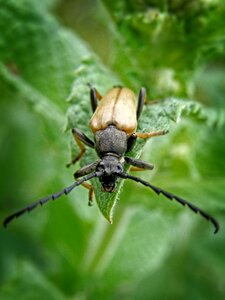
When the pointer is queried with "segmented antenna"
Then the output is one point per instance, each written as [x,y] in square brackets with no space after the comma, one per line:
[54,196]
[170,196]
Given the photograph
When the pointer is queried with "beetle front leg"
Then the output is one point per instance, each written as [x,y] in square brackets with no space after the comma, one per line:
[90,194]
[84,171]
[80,139]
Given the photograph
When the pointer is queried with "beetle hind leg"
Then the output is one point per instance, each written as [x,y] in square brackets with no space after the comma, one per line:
[141,101]
[94,96]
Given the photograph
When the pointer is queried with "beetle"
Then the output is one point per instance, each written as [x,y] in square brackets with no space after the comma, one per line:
[114,125]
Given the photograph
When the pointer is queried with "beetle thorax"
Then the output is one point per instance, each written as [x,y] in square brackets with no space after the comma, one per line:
[110,140]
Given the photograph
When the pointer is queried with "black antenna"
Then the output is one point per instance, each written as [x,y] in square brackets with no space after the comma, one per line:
[54,196]
[170,196]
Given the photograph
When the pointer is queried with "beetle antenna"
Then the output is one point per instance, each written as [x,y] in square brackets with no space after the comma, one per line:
[54,196]
[170,196]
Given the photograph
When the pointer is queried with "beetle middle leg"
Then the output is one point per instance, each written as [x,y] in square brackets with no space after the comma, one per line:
[147,135]
[80,139]
[143,135]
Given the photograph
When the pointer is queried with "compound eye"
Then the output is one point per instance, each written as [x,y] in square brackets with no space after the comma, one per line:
[119,168]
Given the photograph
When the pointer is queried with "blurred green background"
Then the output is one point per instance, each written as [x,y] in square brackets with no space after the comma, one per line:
[155,249]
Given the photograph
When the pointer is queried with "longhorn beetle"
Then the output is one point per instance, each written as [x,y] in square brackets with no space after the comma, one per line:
[113,124]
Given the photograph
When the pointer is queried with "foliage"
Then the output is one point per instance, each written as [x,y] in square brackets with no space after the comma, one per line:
[154,249]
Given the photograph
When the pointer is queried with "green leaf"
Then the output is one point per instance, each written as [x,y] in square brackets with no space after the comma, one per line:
[161,43]
[155,117]
[94,73]
[65,250]
[40,287]
[42,60]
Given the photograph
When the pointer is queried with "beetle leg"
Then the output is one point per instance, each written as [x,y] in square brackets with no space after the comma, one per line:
[147,135]
[80,139]
[91,192]
[130,142]
[84,171]
[143,135]
[94,95]
[134,169]
[141,101]
[152,102]
[138,164]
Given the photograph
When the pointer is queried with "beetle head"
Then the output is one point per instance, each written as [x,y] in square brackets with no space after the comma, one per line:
[110,166]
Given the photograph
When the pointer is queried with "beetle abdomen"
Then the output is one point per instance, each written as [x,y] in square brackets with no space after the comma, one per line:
[116,108]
